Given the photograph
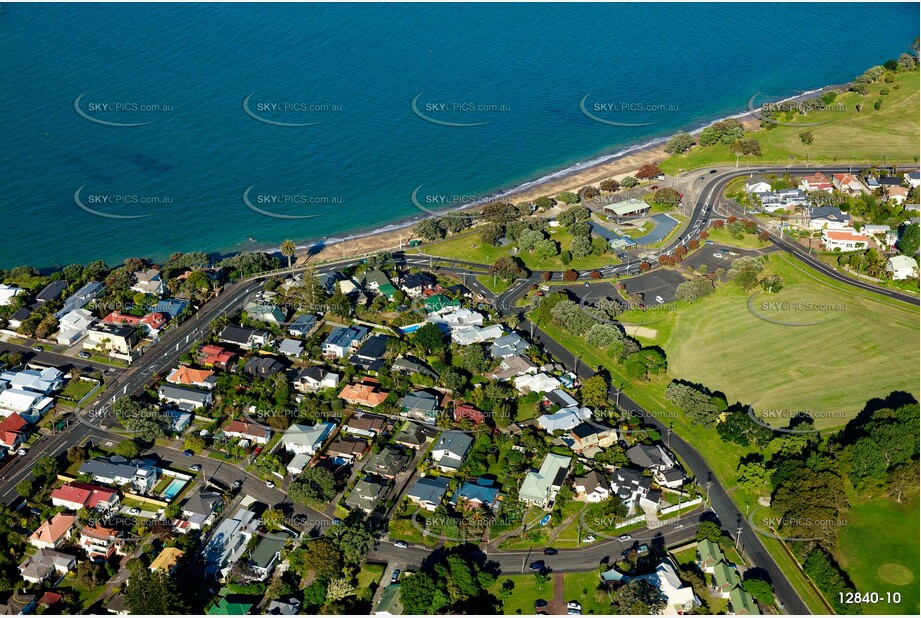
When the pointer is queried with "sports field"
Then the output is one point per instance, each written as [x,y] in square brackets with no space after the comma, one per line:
[817,346]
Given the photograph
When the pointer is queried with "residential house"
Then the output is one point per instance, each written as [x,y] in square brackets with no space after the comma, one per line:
[365,425]
[679,598]
[179,420]
[468,412]
[187,376]
[166,560]
[363,394]
[592,487]
[757,184]
[343,341]
[73,326]
[149,282]
[117,470]
[388,462]
[709,555]
[828,218]
[201,507]
[151,324]
[19,316]
[291,347]
[8,293]
[302,325]
[844,240]
[455,317]
[481,494]
[428,492]
[298,464]
[248,431]
[631,486]
[897,194]
[650,457]
[560,398]
[421,405]
[229,541]
[414,284]
[312,379]
[243,336]
[184,397]
[508,345]
[43,381]
[18,604]
[370,356]
[365,495]
[378,281]
[44,564]
[75,496]
[52,291]
[725,578]
[889,181]
[52,533]
[451,449]
[100,542]
[261,312]
[742,604]
[467,335]
[816,182]
[415,436]
[785,199]
[291,607]
[540,488]
[266,554]
[847,183]
[307,439]
[913,179]
[512,367]
[347,448]
[116,341]
[31,406]
[411,364]
[590,436]
[14,430]
[439,303]
[263,366]
[172,307]
[564,420]
[535,383]
[902,267]
[79,299]
[215,356]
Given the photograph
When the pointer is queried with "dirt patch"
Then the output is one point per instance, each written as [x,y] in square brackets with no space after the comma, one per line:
[641,331]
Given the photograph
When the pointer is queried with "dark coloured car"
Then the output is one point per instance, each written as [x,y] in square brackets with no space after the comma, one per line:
[540,604]
[549,551]
[537,565]
[187,453]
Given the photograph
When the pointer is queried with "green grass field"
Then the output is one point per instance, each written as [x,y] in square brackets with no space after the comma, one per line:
[879,551]
[526,591]
[868,136]
[829,369]
[723,237]
[467,246]
[582,587]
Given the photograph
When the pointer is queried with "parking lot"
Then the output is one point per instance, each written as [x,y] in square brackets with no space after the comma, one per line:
[660,282]
[706,255]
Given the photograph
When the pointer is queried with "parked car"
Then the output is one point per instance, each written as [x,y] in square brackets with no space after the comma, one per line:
[237,484]
[401,544]
[718,255]
[38,348]
[537,565]
[270,484]
[134,512]
[699,178]
[709,242]
[188,452]
[712,171]
[660,300]
[625,537]
[549,551]
[589,539]
[574,605]
[21,452]
[84,354]
[540,604]
[195,468]
[395,576]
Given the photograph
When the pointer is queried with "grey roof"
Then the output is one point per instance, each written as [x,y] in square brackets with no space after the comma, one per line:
[370,355]
[455,442]
[113,467]
[419,400]
[411,364]
[429,489]
[202,502]
[313,372]
[832,213]
[365,494]
[508,345]
[237,334]
[344,336]
[389,461]
[645,455]
[414,434]
[262,366]
[303,323]
[175,391]
[51,291]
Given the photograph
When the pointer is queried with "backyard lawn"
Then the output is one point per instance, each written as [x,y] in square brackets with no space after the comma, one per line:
[526,591]
[583,588]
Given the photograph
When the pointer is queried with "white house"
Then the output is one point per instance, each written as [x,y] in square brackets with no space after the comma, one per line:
[844,240]
[30,405]
[536,383]
[913,179]
[73,326]
[44,381]
[313,378]
[540,488]
[757,184]
[8,293]
[902,267]
[306,439]
[149,282]
[564,419]
[828,218]
[450,450]
[592,487]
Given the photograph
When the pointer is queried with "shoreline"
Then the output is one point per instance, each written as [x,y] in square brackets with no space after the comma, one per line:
[615,165]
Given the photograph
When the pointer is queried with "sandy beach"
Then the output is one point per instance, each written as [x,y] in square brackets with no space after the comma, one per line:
[617,167]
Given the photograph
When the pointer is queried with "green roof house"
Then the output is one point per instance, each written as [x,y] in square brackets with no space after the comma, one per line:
[725,578]
[742,604]
[230,607]
[389,603]
[438,302]
[709,555]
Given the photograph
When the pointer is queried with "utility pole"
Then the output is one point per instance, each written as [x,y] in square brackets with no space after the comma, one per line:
[738,538]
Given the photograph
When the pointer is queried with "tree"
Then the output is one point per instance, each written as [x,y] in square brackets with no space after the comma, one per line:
[909,240]
[679,143]
[288,249]
[708,530]
[570,275]
[609,185]
[567,198]
[581,247]
[529,239]
[339,303]
[429,337]
[474,359]
[806,137]
[508,268]
[25,487]
[314,486]
[491,233]
[128,449]
[565,257]
[589,192]
[543,202]
[153,593]
[650,170]
[194,443]
[429,229]
[595,390]
[761,590]
[338,589]
[628,182]
[320,556]
[694,289]
[637,597]
[546,249]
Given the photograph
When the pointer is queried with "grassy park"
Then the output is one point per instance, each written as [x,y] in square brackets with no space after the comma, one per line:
[865,136]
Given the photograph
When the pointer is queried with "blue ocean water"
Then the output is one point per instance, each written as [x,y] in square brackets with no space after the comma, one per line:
[355,71]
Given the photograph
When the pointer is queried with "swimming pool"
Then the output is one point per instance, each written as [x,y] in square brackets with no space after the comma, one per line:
[173,488]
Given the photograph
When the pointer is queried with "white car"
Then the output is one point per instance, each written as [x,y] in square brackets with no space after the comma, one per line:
[134,511]
[270,484]
[718,255]
[660,300]
[21,451]
[589,539]
[574,605]
[401,544]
